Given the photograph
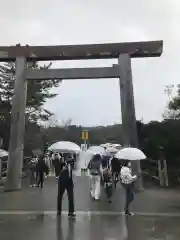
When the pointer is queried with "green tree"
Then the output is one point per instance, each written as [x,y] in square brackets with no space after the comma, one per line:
[38,91]
[37,94]
[173,111]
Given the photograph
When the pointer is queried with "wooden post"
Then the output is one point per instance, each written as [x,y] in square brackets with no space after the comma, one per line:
[129,130]
[166,180]
[16,145]
[161,181]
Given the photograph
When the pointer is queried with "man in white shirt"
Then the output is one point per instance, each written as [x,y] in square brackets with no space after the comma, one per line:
[127,180]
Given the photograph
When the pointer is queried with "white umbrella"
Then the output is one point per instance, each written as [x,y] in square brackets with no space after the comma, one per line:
[131,154]
[105,145]
[111,150]
[3,153]
[96,150]
[65,146]
[117,146]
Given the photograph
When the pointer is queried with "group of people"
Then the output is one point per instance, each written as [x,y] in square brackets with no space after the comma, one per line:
[107,171]
[104,171]
[40,166]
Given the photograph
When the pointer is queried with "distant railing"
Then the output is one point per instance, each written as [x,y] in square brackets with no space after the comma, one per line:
[4,162]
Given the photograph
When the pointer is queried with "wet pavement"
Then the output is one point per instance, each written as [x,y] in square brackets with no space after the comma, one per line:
[31,214]
[88,226]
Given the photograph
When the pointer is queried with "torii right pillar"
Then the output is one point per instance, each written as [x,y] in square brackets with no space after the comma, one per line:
[129,130]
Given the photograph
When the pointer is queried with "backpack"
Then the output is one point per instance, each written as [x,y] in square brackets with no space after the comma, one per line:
[94,167]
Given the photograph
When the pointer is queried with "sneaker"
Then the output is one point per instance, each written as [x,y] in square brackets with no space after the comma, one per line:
[97,199]
[31,185]
[129,213]
[73,215]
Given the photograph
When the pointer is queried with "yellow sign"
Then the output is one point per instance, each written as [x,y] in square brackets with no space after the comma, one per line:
[84,135]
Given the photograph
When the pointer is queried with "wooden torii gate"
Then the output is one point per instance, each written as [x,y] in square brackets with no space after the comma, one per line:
[23,54]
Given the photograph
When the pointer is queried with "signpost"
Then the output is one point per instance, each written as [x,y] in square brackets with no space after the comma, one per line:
[84,137]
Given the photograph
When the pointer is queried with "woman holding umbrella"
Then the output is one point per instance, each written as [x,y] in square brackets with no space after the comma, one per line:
[127,179]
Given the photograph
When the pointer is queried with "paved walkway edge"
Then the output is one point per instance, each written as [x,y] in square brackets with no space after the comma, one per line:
[88,213]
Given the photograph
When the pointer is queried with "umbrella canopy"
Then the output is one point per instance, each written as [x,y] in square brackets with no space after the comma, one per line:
[37,152]
[65,146]
[96,150]
[111,150]
[105,145]
[131,154]
[117,146]
[3,153]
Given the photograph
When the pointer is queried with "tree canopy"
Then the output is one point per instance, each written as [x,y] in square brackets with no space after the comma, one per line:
[37,94]
[173,111]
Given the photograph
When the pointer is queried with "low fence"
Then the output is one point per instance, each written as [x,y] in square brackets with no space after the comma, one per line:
[153,172]
[4,163]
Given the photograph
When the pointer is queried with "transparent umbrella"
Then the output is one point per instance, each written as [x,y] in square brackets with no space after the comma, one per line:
[97,150]
[131,154]
[65,146]
[3,153]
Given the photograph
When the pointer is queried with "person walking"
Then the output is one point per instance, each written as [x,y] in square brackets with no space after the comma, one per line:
[127,180]
[65,183]
[108,183]
[95,169]
[48,164]
[115,168]
[32,171]
[56,163]
[41,169]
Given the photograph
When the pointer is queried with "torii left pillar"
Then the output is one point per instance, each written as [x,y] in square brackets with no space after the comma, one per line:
[129,130]
[16,144]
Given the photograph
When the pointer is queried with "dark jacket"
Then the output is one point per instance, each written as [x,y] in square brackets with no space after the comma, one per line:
[65,178]
[115,165]
[95,165]
[41,165]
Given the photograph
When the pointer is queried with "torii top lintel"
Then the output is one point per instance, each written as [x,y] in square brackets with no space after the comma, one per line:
[78,52]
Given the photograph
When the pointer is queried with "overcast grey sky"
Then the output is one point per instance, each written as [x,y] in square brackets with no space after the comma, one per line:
[94,102]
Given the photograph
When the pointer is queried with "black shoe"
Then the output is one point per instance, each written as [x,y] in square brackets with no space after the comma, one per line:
[109,201]
[58,213]
[73,215]
[128,213]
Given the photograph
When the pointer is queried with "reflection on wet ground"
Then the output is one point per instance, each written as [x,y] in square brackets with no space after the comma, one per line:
[88,227]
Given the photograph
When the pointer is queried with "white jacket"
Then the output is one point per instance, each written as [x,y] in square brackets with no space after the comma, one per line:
[126,175]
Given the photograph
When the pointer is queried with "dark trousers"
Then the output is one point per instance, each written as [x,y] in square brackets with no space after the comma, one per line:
[115,175]
[108,190]
[47,170]
[32,177]
[70,191]
[56,168]
[129,196]
[40,179]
